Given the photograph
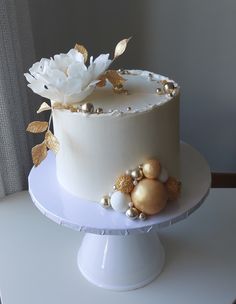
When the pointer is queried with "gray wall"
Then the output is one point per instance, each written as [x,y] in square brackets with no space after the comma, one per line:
[192,41]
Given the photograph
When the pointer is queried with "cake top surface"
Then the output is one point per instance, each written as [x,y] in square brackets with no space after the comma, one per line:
[141,94]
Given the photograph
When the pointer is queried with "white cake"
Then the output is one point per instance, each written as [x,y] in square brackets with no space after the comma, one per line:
[96,148]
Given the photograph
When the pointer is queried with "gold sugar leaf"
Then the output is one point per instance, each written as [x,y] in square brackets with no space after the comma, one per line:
[115,79]
[37,126]
[44,107]
[51,142]
[102,81]
[39,152]
[80,48]
[120,47]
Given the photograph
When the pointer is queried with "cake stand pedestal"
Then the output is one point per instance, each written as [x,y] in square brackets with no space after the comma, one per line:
[116,252]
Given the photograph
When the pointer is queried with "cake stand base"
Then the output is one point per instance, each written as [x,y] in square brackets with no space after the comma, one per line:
[121,262]
[118,253]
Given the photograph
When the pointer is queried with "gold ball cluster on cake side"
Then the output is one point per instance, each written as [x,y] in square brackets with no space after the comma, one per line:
[124,184]
[143,191]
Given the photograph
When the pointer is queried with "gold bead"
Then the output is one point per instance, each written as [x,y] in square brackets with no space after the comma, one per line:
[124,184]
[152,168]
[99,111]
[142,216]
[149,196]
[132,213]
[137,174]
[173,187]
[169,87]
[128,172]
[105,201]
[87,108]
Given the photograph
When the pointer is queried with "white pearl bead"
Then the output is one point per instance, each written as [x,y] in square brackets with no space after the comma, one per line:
[120,201]
[163,177]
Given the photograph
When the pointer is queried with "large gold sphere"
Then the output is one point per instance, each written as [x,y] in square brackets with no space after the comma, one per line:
[152,168]
[149,196]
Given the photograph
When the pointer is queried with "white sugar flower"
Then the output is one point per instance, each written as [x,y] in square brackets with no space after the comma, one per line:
[65,78]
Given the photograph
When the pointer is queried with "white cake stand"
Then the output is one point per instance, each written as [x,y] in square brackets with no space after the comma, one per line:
[118,253]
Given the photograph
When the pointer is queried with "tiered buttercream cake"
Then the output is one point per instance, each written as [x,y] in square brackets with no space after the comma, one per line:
[118,144]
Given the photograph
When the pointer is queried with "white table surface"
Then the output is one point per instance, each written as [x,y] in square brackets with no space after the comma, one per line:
[38,258]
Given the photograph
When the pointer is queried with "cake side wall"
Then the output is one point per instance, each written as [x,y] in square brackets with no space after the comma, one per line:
[95,150]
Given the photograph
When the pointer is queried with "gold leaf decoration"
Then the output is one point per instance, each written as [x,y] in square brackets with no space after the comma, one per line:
[58,105]
[44,107]
[115,79]
[80,48]
[51,142]
[37,126]
[39,152]
[102,81]
[120,47]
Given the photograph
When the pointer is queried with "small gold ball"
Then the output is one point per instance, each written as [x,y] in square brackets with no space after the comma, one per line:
[99,110]
[152,168]
[137,174]
[124,184]
[149,196]
[159,91]
[173,187]
[169,87]
[128,172]
[105,201]
[87,108]
[142,216]
[132,213]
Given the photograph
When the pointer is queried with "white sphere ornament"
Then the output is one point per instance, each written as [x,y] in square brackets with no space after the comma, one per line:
[163,177]
[120,201]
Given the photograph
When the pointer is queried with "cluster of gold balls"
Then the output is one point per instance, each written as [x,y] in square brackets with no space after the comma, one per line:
[168,87]
[143,191]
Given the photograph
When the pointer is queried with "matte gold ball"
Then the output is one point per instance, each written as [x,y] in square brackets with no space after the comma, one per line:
[137,174]
[124,184]
[149,196]
[152,168]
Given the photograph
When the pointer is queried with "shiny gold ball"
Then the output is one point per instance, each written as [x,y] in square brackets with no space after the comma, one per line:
[142,216]
[105,201]
[152,168]
[137,174]
[132,213]
[124,184]
[149,196]
[173,187]
[169,87]
[87,108]
[159,91]
[99,111]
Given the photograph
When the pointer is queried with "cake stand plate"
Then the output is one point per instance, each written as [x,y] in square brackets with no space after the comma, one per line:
[116,252]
